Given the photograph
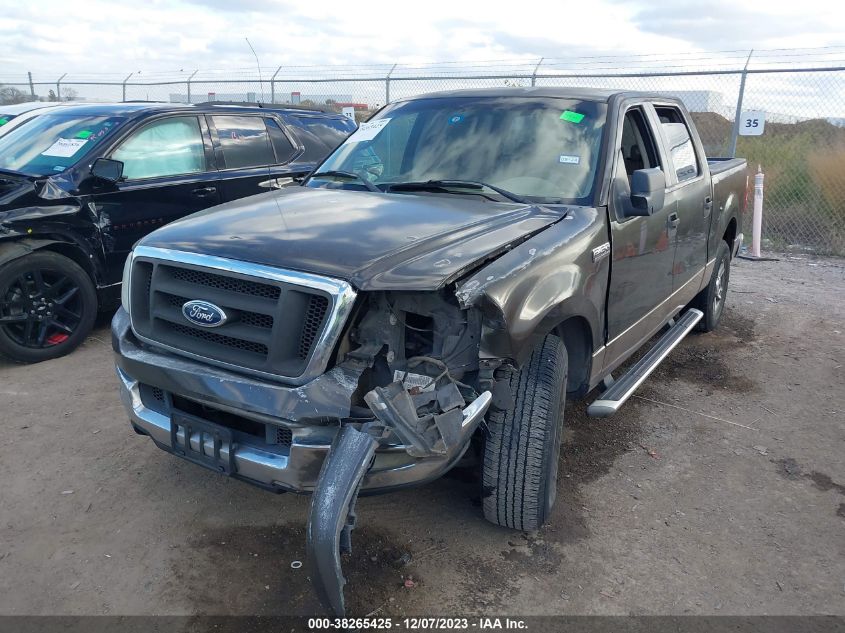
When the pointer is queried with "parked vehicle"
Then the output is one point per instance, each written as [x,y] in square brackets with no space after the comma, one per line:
[79,185]
[11,111]
[462,255]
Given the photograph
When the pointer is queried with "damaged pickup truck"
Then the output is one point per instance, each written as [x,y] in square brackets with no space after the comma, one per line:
[433,292]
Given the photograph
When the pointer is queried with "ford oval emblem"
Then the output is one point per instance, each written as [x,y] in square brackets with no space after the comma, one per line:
[203,313]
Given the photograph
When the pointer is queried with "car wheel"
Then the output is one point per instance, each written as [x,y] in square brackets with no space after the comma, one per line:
[711,300]
[522,446]
[47,307]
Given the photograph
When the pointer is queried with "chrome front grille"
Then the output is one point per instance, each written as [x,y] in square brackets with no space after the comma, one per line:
[280,324]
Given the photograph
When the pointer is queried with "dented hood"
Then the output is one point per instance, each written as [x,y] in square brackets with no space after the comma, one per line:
[375,241]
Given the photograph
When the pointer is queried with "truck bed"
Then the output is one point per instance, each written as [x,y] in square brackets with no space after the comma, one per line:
[720,165]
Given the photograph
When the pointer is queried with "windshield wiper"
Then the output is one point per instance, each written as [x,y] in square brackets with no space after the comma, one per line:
[423,185]
[333,173]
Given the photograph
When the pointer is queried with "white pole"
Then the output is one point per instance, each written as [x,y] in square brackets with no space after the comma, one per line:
[757,217]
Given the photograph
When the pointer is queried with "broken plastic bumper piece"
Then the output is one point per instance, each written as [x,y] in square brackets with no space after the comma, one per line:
[332,515]
[432,434]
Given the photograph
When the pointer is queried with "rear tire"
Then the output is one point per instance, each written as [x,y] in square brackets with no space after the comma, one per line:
[711,300]
[48,305]
[522,448]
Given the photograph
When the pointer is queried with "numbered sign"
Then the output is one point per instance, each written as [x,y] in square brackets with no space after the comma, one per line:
[349,113]
[752,123]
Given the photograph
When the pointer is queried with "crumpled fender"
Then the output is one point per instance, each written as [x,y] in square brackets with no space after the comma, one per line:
[531,289]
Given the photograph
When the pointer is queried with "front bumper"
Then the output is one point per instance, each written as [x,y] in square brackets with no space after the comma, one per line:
[312,413]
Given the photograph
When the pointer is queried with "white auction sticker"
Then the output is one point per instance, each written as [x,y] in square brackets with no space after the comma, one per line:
[752,123]
[64,147]
[569,160]
[368,131]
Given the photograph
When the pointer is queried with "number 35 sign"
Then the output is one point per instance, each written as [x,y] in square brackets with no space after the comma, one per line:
[752,123]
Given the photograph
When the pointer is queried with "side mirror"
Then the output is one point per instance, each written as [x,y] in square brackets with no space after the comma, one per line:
[648,190]
[107,169]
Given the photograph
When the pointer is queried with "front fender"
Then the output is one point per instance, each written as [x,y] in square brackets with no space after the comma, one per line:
[531,289]
[15,249]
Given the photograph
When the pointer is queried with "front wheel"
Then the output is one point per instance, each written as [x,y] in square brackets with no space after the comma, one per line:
[711,300]
[522,447]
[47,307]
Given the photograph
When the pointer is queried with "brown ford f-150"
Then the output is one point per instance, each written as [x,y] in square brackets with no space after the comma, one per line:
[433,292]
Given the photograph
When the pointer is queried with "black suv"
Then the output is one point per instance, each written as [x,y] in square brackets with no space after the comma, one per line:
[79,186]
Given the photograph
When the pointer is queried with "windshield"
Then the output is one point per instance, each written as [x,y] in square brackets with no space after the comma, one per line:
[51,143]
[537,148]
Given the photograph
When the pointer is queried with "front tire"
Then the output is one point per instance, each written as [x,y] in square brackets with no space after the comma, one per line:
[48,305]
[711,300]
[522,448]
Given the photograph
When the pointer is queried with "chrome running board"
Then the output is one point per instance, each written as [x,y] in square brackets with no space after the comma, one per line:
[624,387]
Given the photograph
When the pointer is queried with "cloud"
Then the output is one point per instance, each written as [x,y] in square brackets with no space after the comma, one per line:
[723,24]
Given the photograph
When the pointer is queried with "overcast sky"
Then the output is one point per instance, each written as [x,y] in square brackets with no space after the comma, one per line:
[102,36]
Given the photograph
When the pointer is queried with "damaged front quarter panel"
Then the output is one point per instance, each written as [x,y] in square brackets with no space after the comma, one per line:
[537,285]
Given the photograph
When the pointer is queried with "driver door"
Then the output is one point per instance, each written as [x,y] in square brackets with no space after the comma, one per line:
[643,247]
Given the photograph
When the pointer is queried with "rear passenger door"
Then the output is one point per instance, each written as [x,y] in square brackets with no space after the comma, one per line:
[689,192]
[254,154]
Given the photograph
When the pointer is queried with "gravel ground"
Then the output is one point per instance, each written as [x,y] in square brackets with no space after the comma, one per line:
[719,489]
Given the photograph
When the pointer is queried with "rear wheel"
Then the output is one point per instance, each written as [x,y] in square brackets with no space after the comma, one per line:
[47,307]
[522,448]
[711,300]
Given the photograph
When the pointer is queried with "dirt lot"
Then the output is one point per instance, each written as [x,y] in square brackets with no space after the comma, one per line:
[719,490]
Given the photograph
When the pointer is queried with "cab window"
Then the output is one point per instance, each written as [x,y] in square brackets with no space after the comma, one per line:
[637,146]
[169,147]
[679,142]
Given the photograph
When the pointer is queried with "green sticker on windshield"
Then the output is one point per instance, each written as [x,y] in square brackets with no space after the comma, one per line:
[83,134]
[572,117]
[4,121]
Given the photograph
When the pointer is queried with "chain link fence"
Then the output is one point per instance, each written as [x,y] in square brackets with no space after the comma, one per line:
[801,152]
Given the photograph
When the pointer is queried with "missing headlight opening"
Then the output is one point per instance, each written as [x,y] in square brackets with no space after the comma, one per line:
[423,342]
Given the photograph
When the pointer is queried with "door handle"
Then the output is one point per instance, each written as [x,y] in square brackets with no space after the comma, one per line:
[674,220]
[202,192]
[708,206]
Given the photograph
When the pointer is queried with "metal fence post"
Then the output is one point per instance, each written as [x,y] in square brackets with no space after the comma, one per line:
[273,85]
[534,74]
[735,129]
[124,84]
[387,85]
[59,87]
[189,84]
[31,86]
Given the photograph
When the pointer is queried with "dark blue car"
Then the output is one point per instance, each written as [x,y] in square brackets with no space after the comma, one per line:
[79,186]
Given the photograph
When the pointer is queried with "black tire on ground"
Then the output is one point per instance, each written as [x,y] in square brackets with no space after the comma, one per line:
[522,448]
[711,300]
[56,289]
